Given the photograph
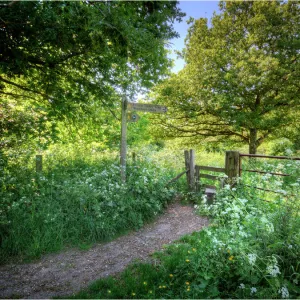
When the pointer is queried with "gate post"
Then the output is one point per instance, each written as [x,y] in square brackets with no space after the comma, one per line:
[187,166]
[232,167]
[192,170]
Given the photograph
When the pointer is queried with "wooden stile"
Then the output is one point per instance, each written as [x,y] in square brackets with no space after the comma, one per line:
[213,169]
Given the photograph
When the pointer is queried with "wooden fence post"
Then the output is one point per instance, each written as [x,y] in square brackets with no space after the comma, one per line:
[197,178]
[192,170]
[232,166]
[187,166]
[39,163]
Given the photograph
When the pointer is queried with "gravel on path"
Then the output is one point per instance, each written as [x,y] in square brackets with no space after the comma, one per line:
[72,270]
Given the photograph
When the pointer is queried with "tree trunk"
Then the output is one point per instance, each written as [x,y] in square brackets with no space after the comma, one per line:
[253,141]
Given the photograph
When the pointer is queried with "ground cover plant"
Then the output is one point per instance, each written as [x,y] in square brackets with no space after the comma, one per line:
[78,199]
[251,250]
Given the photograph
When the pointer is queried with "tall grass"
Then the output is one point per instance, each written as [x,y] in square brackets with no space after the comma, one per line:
[78,199]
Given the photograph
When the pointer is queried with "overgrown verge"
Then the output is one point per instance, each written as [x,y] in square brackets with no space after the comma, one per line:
[252,250]
[75,203]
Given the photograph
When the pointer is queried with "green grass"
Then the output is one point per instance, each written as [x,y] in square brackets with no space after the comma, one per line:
[251,250]
[76,202]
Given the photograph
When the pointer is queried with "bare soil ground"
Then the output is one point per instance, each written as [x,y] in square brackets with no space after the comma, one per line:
[68,272]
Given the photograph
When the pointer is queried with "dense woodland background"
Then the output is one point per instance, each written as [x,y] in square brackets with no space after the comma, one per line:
[65,65]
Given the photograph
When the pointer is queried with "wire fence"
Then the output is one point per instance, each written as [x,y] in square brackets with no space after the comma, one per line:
[270,174]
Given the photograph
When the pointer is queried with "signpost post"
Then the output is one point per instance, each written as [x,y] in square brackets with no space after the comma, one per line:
[123,139]
[133,117]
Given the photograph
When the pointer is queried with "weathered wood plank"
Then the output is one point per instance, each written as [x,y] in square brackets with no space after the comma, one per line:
[187,165]
[192,170]
[207,176]
[160,109]
[214,169]
[232,166]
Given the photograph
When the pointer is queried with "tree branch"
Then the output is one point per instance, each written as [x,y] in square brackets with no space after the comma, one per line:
[23,87]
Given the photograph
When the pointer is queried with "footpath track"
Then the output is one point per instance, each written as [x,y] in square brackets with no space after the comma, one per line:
[69,271]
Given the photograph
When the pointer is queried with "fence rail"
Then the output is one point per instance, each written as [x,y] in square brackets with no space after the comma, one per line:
[265,172]
[270,156]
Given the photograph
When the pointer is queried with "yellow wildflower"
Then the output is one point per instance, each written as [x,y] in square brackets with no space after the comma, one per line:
[187,260]
[231,257]
[164,286]
[145,282]
[187,283]
[160,287]
[171,275]
[133,294]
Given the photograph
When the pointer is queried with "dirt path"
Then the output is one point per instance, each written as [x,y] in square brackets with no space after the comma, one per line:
[68,272]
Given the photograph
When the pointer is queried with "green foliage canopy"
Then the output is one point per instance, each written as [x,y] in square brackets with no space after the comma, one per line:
[58,58]
[241,79]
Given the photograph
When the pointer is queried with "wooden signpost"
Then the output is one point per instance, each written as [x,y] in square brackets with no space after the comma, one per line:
[133,117]
[159,109]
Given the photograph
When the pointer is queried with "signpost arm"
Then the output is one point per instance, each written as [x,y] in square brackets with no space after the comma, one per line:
[123,139]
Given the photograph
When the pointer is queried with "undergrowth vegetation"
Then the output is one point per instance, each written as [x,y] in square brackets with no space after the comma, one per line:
[77,200]
[251,250]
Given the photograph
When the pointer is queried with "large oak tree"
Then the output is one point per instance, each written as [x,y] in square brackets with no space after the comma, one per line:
[241,79]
